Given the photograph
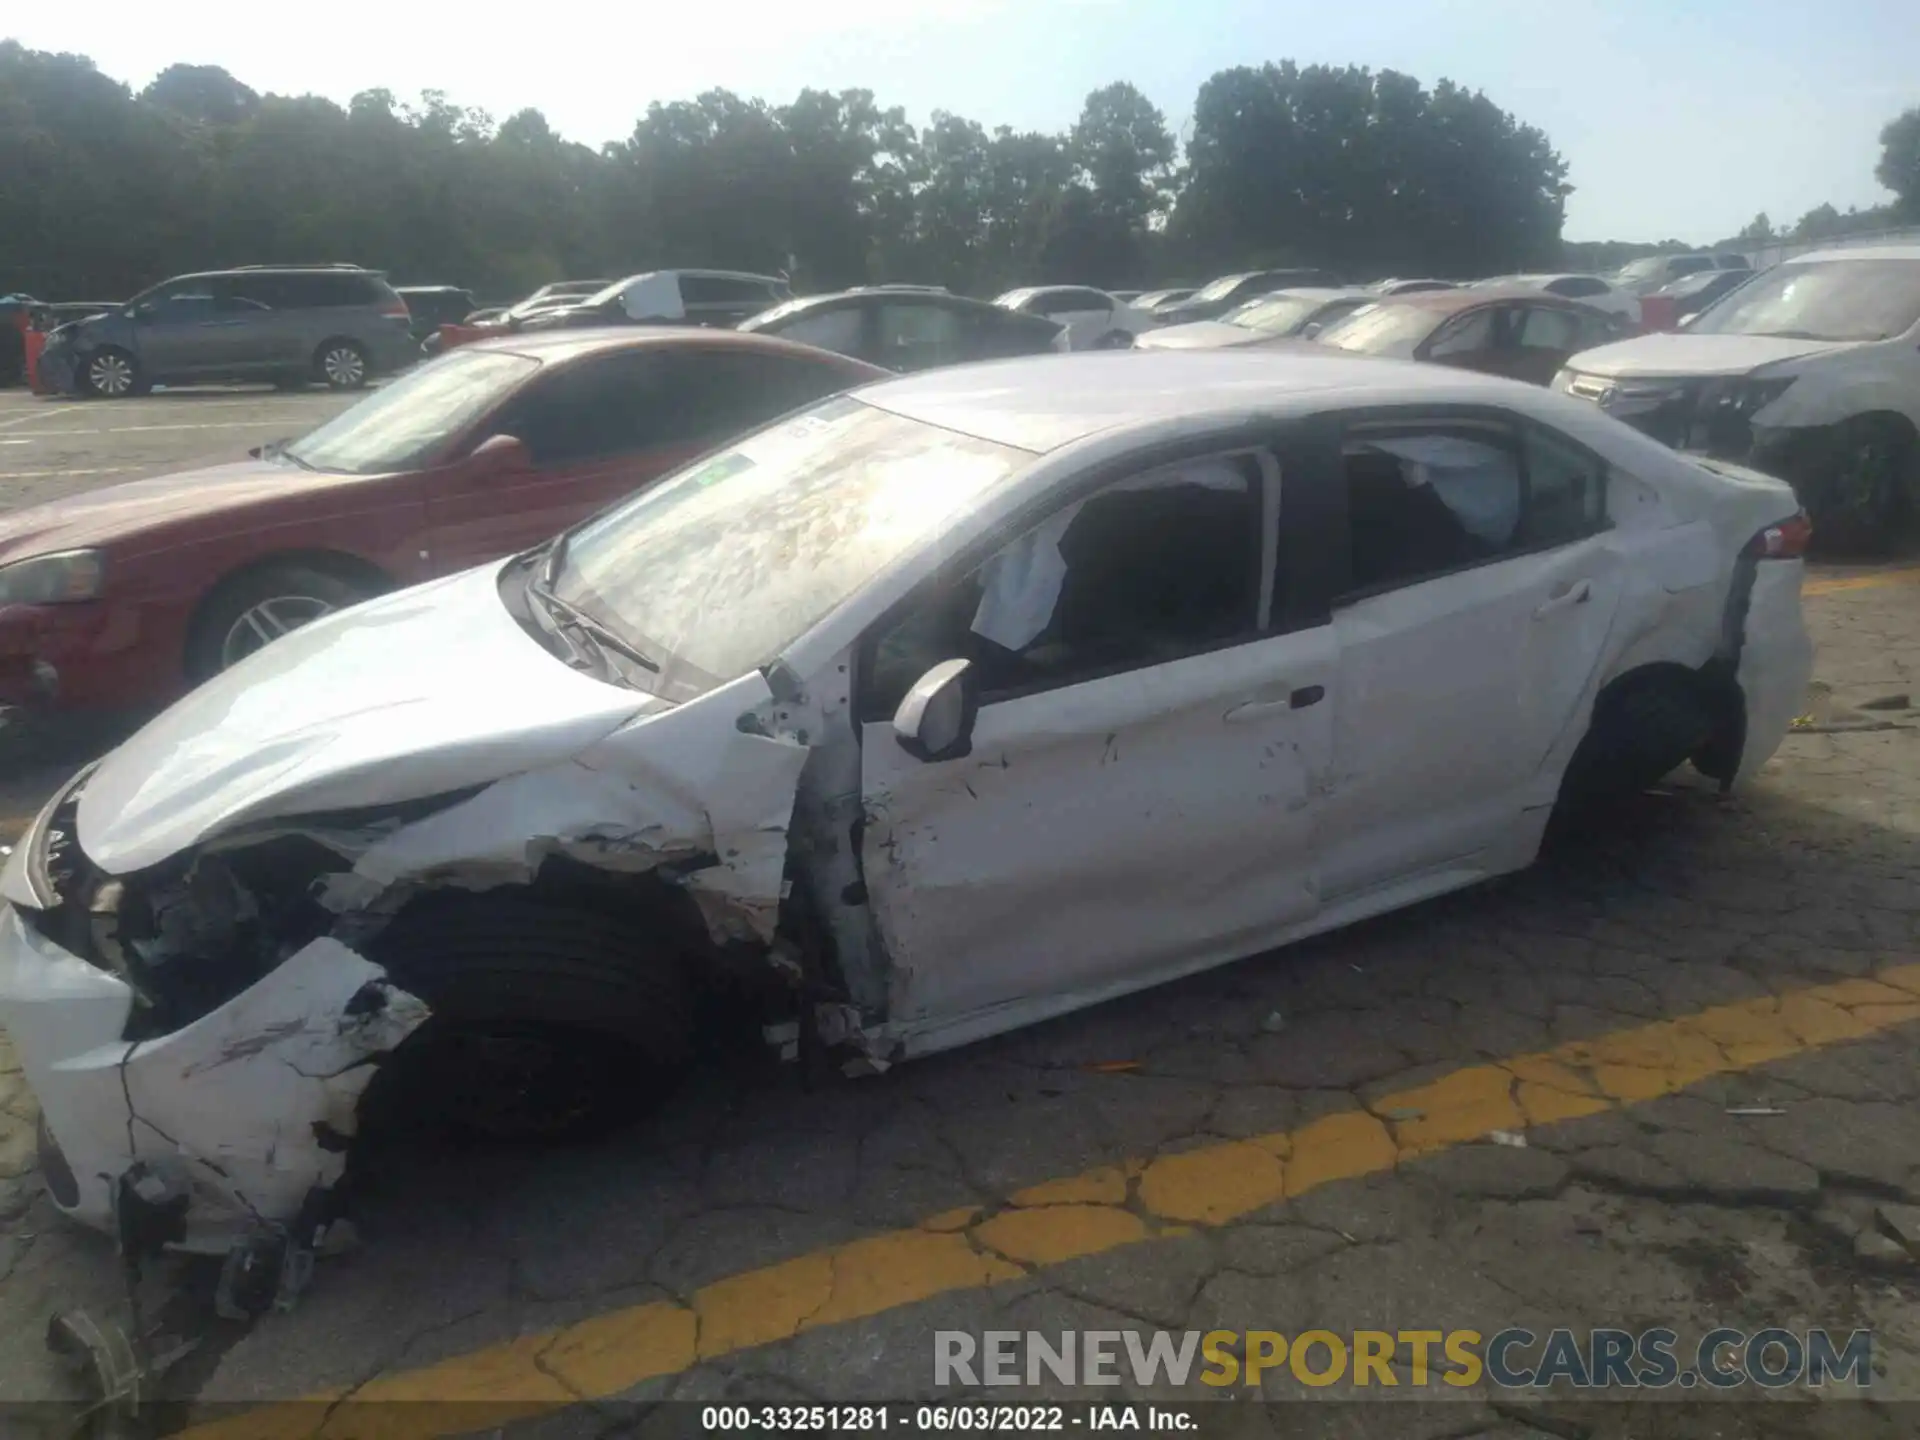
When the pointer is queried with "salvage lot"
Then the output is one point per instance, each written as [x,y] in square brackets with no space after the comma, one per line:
[1671,1212]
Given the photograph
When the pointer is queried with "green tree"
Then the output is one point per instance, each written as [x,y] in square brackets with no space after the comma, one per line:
[1899,167]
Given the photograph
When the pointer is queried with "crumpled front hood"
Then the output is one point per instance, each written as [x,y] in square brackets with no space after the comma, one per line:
[419,693]
[1198,335]
[1690,355]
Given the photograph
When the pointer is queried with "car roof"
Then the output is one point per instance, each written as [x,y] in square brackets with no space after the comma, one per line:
[1446,302]
[552,347]
[800,305]
[1041,403]
[1857,252]
[702,274]
[1315,292]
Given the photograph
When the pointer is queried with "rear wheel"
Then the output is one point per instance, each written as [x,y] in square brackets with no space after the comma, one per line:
[550,1021]
[1644,726]
[256,609]
[341,365]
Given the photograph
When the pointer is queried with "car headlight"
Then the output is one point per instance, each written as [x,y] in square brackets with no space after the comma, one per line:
[1753,395]
[53,579]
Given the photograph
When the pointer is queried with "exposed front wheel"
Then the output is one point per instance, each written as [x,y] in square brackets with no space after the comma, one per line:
[1644,726]
[110,374]
[1868,500]
[550,1021]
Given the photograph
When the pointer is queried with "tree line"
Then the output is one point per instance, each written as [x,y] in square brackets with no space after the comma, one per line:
[104,190]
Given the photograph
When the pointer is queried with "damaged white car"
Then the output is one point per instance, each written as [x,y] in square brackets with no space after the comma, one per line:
[959,702]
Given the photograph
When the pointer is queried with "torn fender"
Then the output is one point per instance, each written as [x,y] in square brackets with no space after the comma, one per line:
[256,1101]
[712,782]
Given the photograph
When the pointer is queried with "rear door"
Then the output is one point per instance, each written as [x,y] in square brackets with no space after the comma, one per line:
[1481,586]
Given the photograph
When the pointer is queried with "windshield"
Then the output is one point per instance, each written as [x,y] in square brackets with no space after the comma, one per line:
[1825,300]
[1276,314]
[1642,269]
[1218,288]
[714,572]
[1381,329]
[401,425]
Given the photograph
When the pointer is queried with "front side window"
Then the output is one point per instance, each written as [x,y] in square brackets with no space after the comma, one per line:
[1156,567]
[718,569]
[180,303]
[1381,329]
[913,337]
[837,330]
[1823,300]
[406,423]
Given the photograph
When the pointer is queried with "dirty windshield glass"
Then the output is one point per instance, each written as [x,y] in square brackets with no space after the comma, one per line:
[402,424]
[714,572]
[1826,300]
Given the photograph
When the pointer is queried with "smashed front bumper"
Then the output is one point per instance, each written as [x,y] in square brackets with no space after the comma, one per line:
[246,1112]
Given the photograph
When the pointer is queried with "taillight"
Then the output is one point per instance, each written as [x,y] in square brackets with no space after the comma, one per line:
[396,309]
[1786,540]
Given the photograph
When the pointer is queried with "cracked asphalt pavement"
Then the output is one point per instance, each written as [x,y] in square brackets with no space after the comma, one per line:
[1699,1022]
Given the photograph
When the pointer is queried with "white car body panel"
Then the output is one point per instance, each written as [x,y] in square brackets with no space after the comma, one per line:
[1026,879]
[1085,328]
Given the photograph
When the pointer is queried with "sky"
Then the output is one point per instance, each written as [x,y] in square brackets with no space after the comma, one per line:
[1678,118]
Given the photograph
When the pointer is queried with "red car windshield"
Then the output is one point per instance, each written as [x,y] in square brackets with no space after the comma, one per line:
[401,425]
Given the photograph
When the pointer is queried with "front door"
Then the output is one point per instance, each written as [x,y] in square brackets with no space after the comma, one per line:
[180,332]
[1483,593]
[1151,743]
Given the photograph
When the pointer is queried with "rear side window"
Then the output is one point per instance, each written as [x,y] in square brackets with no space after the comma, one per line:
[1543,327]
[1423,500]
[726,290]
[1067,302]
[323,289]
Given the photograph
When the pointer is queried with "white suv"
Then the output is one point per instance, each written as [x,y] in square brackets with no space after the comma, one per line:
[1810,371]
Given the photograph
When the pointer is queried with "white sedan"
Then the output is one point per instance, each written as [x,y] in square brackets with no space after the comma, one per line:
[1093,319]
[945,706]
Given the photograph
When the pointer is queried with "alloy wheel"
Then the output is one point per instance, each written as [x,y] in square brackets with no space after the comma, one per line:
[344,367]
[110,375]
[266,622]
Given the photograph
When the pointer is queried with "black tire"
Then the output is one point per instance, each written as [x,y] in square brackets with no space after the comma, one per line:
[293,594]
[341,364]
[550,1021]
[1642,728]
[110,373]
[1869,501]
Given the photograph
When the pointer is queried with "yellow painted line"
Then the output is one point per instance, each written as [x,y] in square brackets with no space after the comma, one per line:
[1101,1210]
[1842,583]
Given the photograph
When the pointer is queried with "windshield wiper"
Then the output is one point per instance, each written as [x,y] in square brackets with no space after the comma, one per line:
[578,619]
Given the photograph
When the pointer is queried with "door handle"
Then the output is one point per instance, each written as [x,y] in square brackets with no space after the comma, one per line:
[1577,593]
[1293,700]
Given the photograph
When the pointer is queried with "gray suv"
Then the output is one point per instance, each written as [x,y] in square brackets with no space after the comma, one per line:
[335,324]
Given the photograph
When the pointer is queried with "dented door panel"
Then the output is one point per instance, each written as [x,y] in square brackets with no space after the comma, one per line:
[1100,836]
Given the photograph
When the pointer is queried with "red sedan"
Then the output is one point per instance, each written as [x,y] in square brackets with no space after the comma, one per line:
[128,595]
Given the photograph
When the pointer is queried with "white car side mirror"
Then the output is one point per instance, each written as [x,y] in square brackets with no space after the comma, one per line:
[935,719]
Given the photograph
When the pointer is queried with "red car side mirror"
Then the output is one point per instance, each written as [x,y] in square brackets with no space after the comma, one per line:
[499,455]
